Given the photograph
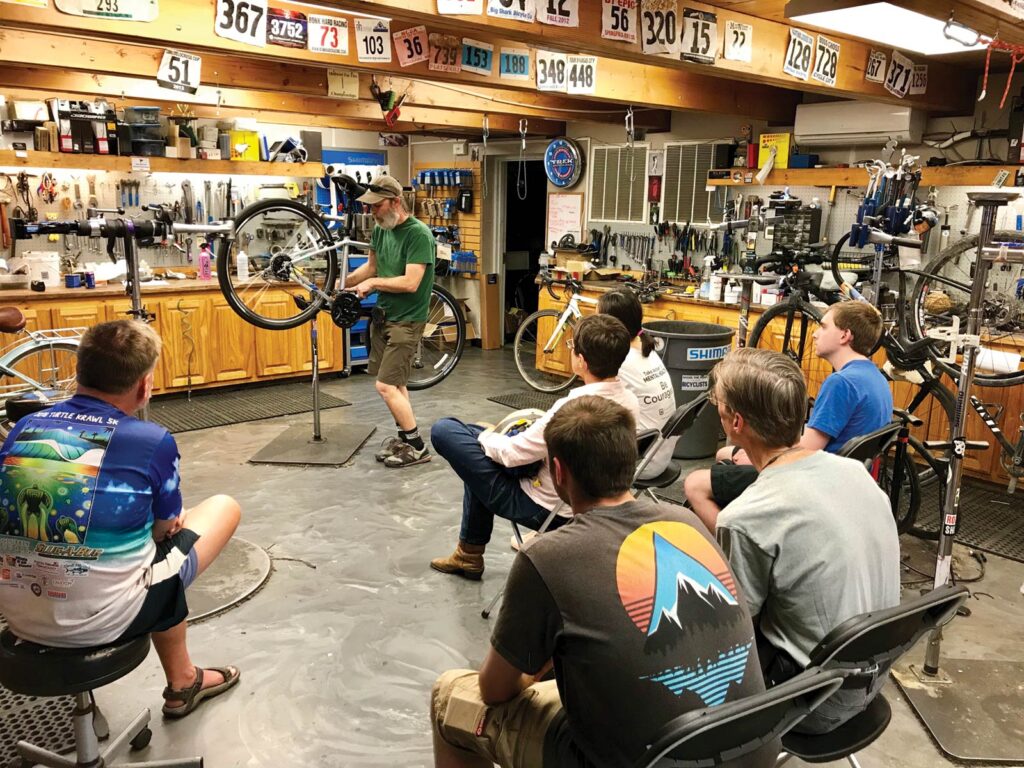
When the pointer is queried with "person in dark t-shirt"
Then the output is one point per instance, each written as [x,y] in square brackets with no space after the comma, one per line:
[633,606]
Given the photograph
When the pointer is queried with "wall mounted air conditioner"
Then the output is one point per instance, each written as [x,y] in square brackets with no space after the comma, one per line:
[848,123]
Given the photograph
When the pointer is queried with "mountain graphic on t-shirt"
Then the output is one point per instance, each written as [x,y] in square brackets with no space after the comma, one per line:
[685,590]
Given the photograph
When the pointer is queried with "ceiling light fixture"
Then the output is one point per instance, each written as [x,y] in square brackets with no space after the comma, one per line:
[883,23]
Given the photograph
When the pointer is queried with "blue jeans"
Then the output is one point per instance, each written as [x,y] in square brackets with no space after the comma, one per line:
[490,489]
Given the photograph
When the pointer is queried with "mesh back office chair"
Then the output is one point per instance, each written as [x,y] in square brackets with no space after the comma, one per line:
[677,424]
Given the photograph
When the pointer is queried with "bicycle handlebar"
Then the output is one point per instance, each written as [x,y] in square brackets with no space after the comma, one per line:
[878,237]
[571,285]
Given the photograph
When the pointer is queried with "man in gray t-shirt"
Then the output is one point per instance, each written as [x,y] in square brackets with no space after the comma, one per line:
[813,541]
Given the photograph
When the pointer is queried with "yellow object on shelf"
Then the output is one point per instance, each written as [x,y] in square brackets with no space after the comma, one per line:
[781,143]
[245,145]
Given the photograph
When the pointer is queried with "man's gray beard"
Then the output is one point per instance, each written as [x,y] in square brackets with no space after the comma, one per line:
[388,221]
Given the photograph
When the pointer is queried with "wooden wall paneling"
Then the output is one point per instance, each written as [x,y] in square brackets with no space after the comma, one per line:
[234,356]
[188,345]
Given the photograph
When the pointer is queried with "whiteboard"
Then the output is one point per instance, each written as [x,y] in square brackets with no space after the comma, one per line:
[565,216]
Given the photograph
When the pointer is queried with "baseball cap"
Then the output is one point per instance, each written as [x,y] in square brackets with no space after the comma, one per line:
[381,188]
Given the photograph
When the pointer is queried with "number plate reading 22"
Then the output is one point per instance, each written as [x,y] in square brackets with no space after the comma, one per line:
[287,28]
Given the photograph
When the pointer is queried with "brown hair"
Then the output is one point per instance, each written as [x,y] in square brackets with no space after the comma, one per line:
[862,320]
[603,342]
[767,389]
[113,356]
[595,439]
[624,304]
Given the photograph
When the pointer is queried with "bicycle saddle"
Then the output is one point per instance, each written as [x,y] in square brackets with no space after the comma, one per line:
[910,354]
[11,320]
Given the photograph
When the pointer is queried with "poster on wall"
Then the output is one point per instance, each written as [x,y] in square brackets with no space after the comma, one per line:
[565,216]
[373,40]
[559,13]
[467,7]
[619,20]
[514,64]
[516,10]
[342,84]
[328,34]
[412,45]
[117,10]
[244,21]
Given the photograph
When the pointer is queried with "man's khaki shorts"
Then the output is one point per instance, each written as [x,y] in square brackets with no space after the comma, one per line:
[392,348]
[510,734]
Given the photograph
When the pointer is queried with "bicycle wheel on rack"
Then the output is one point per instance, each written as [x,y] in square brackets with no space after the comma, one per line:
[943,292]
[542,359]
[38,366]
[291,264]
[789,328]
[908,500]
[444,337]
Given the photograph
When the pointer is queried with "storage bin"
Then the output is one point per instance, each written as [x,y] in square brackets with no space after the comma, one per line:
[148,115]
[147,148]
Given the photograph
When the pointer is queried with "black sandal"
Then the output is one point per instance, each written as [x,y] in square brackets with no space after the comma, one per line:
[192,696]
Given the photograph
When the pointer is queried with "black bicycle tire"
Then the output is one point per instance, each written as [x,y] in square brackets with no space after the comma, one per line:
[836,272]
[771,313]
[515,347]
[960,247]
[227,288]
[905,521]
[33,348]
[460,325]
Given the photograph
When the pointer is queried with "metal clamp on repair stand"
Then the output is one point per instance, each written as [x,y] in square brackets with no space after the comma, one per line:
[971,707]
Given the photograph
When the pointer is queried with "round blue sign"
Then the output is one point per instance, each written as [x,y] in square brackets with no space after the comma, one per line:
[563,162]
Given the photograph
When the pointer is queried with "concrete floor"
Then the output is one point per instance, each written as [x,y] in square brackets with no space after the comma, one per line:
[339,650]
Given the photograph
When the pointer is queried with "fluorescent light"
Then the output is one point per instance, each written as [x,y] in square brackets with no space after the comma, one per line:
[888,25]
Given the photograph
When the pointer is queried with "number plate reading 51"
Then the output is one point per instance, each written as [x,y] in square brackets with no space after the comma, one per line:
[179,71]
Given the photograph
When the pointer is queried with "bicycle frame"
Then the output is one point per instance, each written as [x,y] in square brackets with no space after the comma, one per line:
[572,310]
[1015,453]
[37,341]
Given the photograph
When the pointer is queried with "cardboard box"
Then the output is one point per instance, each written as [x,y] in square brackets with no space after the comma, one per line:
[781,142]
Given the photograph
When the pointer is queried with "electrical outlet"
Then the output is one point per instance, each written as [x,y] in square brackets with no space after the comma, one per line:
[459,148]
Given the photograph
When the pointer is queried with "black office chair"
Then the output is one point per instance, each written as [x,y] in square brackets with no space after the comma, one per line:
[868,448]
[677,424]
[38,670]
[712,736]
[864,647]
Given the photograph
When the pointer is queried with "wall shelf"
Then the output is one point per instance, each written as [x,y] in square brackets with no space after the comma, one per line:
[62,160]
[947,176]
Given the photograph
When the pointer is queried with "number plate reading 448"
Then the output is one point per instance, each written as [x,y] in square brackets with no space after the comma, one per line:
[287,28]
[581,74]
[244,21]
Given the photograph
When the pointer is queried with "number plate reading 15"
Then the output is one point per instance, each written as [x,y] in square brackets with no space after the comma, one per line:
[700,36]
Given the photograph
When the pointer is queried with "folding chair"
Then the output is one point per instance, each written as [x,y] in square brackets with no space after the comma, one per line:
[677,424]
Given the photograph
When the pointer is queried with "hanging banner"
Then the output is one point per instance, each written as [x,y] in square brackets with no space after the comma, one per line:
[286,28]
[411,45]
[514,64]
[120,10]
[477,57]
[342,84]
[699,37]
[618,20]
[581,74]
[550,71]
[739,41]
[826,61]
[919,81]
[875,71]
[516,10]
[179,71]
[659,29]
[897,82]
[560,13]
[244,21]
[455,7]
[328,34]
[445,53]
[798,55]
[373,40]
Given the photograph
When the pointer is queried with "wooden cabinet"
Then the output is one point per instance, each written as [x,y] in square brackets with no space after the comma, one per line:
[80,313]
[185,326]
[233,359]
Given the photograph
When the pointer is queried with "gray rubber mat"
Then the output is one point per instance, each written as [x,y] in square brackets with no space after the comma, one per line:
[990,519]
[43,722]
[217,409]
[520,400]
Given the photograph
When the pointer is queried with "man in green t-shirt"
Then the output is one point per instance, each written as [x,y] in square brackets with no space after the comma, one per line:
[401,270]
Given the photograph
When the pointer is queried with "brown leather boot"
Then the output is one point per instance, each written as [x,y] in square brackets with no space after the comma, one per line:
[467,561]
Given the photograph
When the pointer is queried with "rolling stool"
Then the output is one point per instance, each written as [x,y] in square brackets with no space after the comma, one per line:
[38,670]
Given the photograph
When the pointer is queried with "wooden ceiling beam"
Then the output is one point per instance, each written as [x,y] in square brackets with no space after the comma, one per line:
[189,25]
[267,104]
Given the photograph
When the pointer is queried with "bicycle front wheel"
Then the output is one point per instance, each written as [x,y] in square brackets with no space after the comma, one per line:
[444,337]
[288,264]
[789,328]
[944,291]
[899,462]
[542,358]
[36,366]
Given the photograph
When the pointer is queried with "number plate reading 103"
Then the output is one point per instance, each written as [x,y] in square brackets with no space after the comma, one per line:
[287,28]
[581,74]
[798,55]
[244,21]
[550,71]
[477,57]
[514,64]
[373,40]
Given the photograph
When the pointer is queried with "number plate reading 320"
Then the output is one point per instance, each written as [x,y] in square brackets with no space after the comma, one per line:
[287,28]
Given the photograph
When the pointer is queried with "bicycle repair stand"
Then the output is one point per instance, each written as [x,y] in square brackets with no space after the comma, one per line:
[971,707]
[341,441]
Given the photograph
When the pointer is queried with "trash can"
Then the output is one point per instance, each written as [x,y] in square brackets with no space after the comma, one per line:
[690,350]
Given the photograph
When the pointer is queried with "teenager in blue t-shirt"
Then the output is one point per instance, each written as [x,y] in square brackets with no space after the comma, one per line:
[94,544]
[853,401]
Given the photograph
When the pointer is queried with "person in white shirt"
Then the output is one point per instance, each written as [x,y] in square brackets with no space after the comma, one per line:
[644,374]
[508,476]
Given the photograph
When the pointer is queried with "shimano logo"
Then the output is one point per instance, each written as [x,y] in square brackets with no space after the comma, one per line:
[707,353]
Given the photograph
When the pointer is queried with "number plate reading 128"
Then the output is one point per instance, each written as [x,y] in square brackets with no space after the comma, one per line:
[798,55]
[287,28]
[244,21]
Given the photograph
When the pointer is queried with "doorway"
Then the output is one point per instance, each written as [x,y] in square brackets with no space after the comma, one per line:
[525,220]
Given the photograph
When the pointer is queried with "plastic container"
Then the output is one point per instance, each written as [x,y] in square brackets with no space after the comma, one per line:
[146,132]
[205,272]
[142,115]
[690,350]
[147,148]
[39,265]
[242,265]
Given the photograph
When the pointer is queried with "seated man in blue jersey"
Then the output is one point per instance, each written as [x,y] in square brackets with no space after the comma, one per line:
[97,546]
[855,400]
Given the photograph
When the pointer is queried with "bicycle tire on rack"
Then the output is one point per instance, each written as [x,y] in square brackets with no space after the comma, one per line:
[800,317]
[966,247]
[29,349]
[909,497]
[232,288]
[525,348]
[447,351]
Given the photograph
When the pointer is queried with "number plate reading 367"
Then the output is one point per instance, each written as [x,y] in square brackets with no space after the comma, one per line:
[244,21]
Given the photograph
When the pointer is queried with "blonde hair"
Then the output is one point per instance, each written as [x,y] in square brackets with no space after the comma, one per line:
[113,356]
[767,389]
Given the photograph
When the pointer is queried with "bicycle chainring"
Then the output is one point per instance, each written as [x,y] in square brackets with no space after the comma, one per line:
[346,310]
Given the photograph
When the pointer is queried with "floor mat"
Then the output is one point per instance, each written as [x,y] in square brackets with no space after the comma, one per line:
[217,409]
[520,400]
[990,519]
